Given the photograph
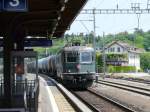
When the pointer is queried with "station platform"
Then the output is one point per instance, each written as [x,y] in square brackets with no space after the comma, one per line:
[53,97]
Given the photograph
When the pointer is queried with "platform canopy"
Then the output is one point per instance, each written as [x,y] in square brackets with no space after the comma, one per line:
[44,17]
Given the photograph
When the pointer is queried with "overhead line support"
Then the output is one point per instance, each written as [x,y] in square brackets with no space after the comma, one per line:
[115,11]
[148,4]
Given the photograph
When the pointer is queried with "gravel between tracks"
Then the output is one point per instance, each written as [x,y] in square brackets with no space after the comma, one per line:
[138,102]
[126,82]
[99,103]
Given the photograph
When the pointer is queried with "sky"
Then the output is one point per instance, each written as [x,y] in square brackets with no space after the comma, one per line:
[110,23]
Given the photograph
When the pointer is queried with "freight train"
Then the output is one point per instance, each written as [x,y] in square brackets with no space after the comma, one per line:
[74,66]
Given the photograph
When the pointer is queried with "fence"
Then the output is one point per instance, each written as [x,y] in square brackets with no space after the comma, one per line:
[32,97]
[1,86]
[24,94]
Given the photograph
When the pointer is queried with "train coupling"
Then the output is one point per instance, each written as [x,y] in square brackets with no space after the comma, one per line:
[82,79]
[74,81]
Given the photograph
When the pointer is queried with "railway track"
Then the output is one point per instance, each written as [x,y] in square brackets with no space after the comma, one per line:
[136,80]
[136,89]
[100,103]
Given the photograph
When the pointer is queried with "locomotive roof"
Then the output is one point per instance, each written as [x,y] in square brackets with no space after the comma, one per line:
[78,48]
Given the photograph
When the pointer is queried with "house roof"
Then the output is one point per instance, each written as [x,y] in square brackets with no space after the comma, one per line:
[126,46]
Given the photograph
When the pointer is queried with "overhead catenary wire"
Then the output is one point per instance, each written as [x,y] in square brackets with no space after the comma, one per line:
[85,26]
[100,3]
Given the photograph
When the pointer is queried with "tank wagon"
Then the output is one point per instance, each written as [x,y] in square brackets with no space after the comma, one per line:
[74,66]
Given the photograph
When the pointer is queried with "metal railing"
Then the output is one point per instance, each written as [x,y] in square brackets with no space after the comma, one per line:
[116,60]
[24,94]
[32,98]
[1,86]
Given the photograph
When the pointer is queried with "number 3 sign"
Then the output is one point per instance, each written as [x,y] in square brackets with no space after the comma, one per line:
[15,5]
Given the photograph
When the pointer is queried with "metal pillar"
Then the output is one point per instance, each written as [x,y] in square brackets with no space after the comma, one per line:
[9,38]
[19,37]
[8,46]
[94,30]
[94,36]
[148,4]
[104,56]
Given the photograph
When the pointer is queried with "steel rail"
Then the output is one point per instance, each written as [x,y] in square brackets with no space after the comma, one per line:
[135,90]
[126,108]
[123,107]
[88,104]
[136,80]
[137,87]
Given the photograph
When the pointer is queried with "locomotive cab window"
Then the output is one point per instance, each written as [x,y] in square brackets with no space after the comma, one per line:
[71,57]
[86,57]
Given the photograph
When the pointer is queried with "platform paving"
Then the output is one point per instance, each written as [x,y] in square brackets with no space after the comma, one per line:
[45,104]
[51,99]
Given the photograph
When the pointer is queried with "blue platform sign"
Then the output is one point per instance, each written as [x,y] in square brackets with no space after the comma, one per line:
[14,5]
[33,42]
[38,43]
[1,5]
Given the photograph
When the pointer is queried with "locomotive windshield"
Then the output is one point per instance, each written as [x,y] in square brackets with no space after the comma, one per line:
[72,57]
[86,57]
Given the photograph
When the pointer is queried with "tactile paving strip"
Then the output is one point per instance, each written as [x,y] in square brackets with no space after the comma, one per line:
[63,104]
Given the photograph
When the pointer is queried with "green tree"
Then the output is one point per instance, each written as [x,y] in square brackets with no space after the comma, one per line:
[147,42]
[138,31]
[139,41]
[90,38]
[145,61]
[99,61]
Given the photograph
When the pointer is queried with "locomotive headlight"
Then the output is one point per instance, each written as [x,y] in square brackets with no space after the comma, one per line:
[78,66]
[88,71]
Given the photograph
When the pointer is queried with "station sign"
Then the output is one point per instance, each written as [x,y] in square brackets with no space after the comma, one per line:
[33,42]
[13,5]
[42,42]
[1,5]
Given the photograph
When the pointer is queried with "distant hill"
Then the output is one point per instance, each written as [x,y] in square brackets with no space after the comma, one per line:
[139,38]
